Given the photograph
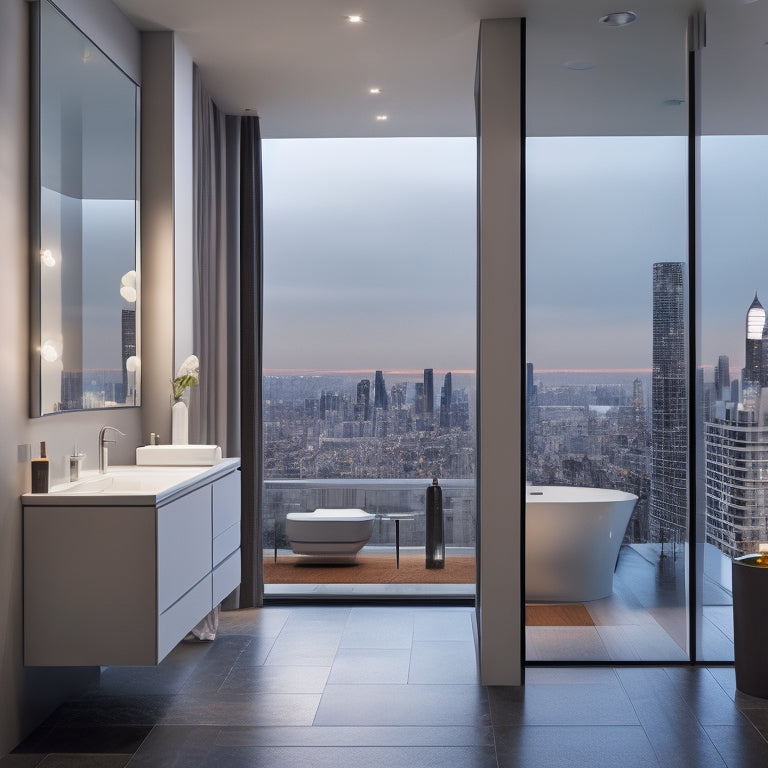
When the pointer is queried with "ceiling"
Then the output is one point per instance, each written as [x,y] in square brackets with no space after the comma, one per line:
[306,70]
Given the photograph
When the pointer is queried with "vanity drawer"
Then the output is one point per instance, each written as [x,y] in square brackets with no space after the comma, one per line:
[179,619]
[226,577]
[226,543]
[183,545]
[226,502]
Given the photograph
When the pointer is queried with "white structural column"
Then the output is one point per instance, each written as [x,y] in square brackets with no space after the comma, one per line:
[500,356]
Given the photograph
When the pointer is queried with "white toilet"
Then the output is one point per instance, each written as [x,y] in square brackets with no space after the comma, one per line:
[329,533]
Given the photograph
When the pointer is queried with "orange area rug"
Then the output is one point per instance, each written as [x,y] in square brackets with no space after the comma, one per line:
[557,615]
[369,569]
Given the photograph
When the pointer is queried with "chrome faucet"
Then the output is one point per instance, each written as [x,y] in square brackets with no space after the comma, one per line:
[103,450]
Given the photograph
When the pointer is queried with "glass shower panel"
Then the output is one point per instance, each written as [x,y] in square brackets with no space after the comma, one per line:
[732,402]
[607,336]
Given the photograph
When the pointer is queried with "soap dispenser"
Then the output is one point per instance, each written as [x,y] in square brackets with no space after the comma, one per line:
[40,472]
[74,464]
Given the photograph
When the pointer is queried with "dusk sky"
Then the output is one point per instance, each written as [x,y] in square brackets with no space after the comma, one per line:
[370,249]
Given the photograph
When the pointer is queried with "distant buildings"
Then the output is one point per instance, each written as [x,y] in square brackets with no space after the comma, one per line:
[736,450]
[668,507]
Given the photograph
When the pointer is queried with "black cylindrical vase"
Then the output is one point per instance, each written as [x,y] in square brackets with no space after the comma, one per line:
[435,536]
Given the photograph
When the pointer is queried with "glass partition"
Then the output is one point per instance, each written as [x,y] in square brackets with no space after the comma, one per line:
[607,341]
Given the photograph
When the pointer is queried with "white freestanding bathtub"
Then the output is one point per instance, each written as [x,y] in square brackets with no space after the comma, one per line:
[331,533]
[572,541]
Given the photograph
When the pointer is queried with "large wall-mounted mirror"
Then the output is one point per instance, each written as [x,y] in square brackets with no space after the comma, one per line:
[84,219]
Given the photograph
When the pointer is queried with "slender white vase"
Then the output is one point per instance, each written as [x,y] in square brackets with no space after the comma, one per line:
[179,423]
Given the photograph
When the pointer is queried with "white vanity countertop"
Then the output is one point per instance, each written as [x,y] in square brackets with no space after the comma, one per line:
[130,485]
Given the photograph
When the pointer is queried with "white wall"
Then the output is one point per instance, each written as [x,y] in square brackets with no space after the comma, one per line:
[166,223]
[500,302]
[29,695]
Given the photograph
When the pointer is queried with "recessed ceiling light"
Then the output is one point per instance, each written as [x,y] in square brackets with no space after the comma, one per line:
[382,118]
[620,19]
[579,65]
[355,19]
[374,91]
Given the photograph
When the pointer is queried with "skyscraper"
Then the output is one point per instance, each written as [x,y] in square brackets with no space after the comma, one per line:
[429,392]
[128,344]
[753,370]
[380,392]
[363,404]
[446,397]
[722,378]
[668,508]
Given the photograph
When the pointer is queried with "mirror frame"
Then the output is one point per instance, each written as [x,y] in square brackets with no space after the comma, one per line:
[36,218]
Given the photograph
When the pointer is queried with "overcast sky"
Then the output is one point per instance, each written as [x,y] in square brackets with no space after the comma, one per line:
[369,254]
[370,249]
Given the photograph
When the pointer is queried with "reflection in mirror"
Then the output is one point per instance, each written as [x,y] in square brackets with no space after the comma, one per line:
[85,286]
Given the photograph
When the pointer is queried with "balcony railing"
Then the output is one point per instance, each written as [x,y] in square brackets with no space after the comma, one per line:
[378,497]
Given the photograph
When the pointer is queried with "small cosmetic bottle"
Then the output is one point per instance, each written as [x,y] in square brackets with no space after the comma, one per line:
[40,472]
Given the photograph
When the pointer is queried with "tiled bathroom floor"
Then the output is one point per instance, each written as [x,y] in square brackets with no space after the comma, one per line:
[390,686]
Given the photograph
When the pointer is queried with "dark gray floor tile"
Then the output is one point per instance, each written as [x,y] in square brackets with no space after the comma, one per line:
[106,710]
[435,624]
[276,679]
[316,649]
[726,678]
[570,675]
[258,622]
[243,709]
[705,696]
[759,720]
[106,739]
[256,652]
[384,628]
[443,662]
[208,676]
[21,761]
[351,736]
[354,757]
[403,705]
[176,746]
[85,761]
[582,704]
[740,746]
[671,725]
[370,665]
[574,747]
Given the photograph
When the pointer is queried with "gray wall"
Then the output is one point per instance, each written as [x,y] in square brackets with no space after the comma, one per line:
[29,695]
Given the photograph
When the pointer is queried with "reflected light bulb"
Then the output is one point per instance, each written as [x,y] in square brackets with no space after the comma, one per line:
[48,352]
[47,258]
[132,364]
[129,279]
[128,293]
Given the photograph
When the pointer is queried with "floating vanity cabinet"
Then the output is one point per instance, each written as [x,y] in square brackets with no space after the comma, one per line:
[120,578]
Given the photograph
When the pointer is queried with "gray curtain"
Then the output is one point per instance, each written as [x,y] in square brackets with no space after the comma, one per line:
[227,284]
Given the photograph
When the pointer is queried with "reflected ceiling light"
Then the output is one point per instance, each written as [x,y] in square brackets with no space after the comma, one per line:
[579,65]
[47,258]
[374,91]
[48,351]
[382,118]
[619,19]
[355,19]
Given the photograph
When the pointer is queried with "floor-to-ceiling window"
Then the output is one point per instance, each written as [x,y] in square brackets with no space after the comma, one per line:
[369,355]
[732,426]
[607,281]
